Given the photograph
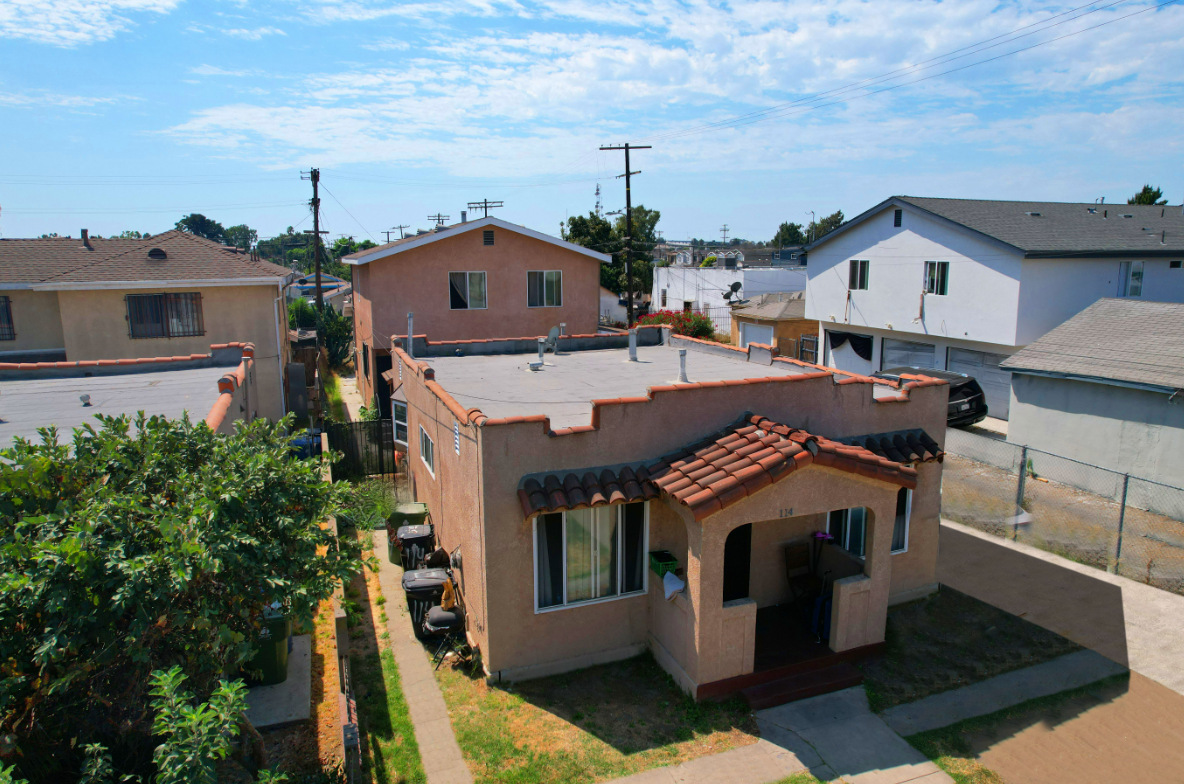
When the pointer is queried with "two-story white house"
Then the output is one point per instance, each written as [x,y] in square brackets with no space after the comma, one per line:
[962,284]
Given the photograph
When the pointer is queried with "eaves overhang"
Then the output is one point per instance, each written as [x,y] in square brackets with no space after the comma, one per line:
[1114,382]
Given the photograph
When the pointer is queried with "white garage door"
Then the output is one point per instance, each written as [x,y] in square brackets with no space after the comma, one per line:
[755,333]
[996,383]
[902,353]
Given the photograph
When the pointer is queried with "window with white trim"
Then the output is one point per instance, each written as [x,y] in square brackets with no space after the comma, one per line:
[544,288]
[589,555]
[900,527]
[849,528]
[399,415]
[427,450]
[466,291]
[1130,279]
[857,275]
[937,277]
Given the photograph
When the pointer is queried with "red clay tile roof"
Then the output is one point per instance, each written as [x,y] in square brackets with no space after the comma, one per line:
[554,493]
[714,473]
[724,469]
[187,257]
[901,446]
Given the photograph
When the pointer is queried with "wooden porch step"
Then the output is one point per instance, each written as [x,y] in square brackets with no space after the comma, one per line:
[842,675]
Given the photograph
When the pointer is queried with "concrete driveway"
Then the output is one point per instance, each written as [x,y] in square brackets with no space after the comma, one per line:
[1133,624]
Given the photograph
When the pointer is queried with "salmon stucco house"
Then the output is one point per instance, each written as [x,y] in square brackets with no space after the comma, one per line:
[765,483]
[482,278]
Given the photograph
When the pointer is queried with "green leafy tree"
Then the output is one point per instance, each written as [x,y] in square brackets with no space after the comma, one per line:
[824,226]
[1149,195]
[789,234]
[139,546]
[241,236]
[598,234]
[201,226]
[337,335]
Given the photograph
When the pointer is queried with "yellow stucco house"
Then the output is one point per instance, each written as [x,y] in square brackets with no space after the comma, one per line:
[170,295]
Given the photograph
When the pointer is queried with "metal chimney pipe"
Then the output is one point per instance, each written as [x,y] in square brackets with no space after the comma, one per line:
[562,328]
[542,347]
[633,345]
[86,238]
[682,366]
[410,335]
[464,216]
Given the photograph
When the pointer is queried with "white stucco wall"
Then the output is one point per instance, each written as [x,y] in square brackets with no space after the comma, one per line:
[984,281]
[705,287]
[611,307]
[941,346]
[1126,430]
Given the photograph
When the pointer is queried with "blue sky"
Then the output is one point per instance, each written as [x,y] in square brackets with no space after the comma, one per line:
[125,114]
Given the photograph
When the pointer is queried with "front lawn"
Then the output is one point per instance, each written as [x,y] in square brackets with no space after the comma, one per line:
[594,724]
[949,640]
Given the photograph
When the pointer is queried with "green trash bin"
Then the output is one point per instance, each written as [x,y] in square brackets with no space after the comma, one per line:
[271,658]
[412,517]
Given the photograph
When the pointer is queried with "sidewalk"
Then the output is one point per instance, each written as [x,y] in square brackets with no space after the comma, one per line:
[1133,624]
[438,750]
[349,395]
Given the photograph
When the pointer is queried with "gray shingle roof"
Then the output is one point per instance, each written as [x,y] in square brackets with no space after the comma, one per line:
[1059,228]
[187,257]
[1126,340]
[775,306]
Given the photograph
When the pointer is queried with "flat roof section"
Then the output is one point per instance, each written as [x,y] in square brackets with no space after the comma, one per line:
[28,404]
[502,385]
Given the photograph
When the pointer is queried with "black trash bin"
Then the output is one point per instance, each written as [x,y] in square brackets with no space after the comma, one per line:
[415,542]
[423,588]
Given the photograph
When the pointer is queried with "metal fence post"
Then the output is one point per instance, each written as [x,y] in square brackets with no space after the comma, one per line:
[1019,493]
[1126,480]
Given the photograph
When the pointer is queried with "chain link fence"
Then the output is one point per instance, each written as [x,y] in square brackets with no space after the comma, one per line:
[1086,513]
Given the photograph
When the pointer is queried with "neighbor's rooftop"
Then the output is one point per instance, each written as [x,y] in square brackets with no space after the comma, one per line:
[502,385]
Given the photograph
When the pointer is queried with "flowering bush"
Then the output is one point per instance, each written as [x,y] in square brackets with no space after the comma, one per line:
[693,325]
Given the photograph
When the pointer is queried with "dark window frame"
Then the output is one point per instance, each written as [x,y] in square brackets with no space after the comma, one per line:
[166,315]
[536,292]
[897,218]
[858,274]
[7,325]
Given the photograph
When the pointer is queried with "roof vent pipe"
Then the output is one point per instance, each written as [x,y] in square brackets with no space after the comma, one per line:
[682,366]
[542,348]
[410,333]
[464,216]
[562,328]
[633,345]
[86,239]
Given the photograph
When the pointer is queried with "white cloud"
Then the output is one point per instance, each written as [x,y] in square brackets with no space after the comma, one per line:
[213,70]
[254,34]
[46,99]
[73,22]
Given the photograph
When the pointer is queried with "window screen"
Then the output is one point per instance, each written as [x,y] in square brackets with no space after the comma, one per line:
[466,290]
[7,330]
[857,275]
[1130,279]
[937,277]
[587,554]
[164,315]
[544,288]
[399,412]
[427,451]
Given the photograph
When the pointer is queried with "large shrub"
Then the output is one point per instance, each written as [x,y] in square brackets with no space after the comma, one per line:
[693,325]
[142,546]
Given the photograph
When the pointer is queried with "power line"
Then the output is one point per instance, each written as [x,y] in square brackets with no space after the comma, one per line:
[347,212]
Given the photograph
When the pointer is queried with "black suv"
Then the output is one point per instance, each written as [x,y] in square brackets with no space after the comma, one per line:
[968,405]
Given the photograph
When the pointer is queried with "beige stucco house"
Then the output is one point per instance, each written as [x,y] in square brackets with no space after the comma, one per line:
[484,278]
[558,483]
[169,295]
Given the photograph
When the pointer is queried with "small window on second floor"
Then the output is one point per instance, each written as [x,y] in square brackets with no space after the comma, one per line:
[399,416]
[897,218]
[857,276]
[466,290]
[1130,279]
[937,277]
[544,288]
[663,298]
[7,330]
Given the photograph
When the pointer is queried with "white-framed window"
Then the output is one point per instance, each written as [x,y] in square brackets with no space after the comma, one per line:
[849,528]
[590,555]
[399,417]
[427,450]
[1130,279]
[937,277]
[857,275]
[466,291]
[544,288]
[900,527]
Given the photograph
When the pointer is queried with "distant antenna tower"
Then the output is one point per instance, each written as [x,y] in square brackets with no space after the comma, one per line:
[599,212]
[724,231]
[438,218]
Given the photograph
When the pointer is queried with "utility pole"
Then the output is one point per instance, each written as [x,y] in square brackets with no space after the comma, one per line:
[393,229]
[724,232]
[628,224]
[315,176]
[485,204]
[813,221]
[439,219]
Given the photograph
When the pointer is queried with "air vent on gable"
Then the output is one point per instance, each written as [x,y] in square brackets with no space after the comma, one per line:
[157,253]
[488,233]
[1128,216]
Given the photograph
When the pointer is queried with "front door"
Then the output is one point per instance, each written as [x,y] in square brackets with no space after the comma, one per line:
[737,560]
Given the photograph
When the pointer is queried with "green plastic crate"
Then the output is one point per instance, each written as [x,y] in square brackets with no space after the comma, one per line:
[661,561]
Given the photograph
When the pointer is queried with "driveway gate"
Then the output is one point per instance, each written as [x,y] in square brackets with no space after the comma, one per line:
[367,448]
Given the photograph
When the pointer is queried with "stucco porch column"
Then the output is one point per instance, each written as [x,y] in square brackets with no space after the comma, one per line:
[860,610]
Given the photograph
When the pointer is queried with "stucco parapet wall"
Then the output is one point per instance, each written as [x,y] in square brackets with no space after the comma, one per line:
[647,335]
[221,354]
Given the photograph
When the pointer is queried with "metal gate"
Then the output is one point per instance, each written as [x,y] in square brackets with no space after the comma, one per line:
[367,448]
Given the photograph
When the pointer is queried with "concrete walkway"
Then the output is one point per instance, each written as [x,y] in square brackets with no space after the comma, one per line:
[941,710]
[1133,624]
[349,395]
[759,763]
[442,760]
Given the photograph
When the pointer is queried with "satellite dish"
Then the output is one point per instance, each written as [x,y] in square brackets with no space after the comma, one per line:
[732,290]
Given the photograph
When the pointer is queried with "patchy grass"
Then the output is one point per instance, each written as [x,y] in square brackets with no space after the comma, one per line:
[595,724]
[369,504]
[953,747]
[949,640]
[337,410]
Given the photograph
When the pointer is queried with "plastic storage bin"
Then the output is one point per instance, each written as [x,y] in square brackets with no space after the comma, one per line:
[661,561]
